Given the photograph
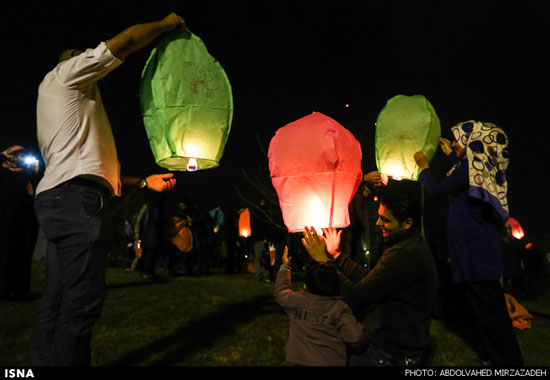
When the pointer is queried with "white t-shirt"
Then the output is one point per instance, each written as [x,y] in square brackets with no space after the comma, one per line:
[74,132]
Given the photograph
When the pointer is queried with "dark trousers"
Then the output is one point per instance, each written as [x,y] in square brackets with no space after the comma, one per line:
[71,216]
[497,335]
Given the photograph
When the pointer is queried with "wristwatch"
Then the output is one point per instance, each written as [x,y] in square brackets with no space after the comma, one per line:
[142,183]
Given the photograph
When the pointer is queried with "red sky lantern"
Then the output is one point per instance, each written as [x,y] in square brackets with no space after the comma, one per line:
[244,223]
[517,231]
[315,166]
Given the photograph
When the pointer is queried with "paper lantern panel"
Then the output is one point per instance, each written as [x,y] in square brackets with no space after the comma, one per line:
[187,104]
[406,125]
[315,167]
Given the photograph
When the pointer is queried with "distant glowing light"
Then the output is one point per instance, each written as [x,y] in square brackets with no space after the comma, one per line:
[244,223]
[518,235]
[516,229]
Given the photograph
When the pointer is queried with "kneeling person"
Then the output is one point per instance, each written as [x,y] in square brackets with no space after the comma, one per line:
[396,296]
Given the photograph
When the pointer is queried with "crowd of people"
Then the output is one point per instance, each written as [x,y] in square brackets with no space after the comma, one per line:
[371,289]
[179,237]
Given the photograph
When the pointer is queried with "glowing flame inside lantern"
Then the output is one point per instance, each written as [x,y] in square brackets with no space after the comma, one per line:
[192,165]
[316,214]
[192,151]
[394,170]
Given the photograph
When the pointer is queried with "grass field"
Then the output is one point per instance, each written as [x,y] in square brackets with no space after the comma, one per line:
[217,320]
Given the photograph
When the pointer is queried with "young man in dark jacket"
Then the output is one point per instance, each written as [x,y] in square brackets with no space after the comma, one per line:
[397,295]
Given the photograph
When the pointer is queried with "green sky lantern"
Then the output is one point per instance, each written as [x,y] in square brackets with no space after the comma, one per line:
[406,125]
[186,103]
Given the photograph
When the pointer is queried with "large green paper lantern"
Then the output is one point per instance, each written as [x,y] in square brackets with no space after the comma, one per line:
[186,104]
[406,125]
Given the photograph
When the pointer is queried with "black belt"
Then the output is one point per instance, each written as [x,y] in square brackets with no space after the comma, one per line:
[79,181]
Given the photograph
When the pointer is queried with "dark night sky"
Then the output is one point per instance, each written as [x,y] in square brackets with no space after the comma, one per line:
[286,59]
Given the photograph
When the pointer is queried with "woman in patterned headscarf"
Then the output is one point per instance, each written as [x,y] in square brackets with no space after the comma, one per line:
[478,188]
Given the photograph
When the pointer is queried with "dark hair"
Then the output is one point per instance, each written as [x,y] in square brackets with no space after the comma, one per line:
[403,199]
[322,279]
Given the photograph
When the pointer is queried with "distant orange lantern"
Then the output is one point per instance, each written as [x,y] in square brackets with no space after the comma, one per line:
[315,166]
[244,223]
[517,231]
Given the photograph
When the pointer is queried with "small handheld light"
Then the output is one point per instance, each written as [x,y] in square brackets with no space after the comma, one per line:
[30,160]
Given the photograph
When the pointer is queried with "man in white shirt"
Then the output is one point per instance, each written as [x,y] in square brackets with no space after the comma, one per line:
[82,174]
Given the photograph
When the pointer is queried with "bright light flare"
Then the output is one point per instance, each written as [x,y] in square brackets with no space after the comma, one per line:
[30,160]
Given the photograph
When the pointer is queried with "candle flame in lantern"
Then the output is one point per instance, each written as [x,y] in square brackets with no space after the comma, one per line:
[394,171]
[316,214]
[192,165]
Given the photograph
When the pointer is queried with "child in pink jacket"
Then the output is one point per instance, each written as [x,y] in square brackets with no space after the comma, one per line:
[322,326]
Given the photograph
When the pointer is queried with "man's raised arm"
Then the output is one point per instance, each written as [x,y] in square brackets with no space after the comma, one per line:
[138,36]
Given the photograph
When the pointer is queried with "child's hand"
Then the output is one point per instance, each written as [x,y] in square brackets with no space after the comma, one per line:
[286,259]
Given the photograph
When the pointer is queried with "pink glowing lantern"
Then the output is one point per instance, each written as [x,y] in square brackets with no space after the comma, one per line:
[517,231]
[315,166]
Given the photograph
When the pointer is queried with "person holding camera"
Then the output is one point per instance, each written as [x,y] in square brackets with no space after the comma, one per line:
[18,226]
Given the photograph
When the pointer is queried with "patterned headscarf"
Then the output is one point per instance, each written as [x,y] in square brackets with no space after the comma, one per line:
[486,149]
